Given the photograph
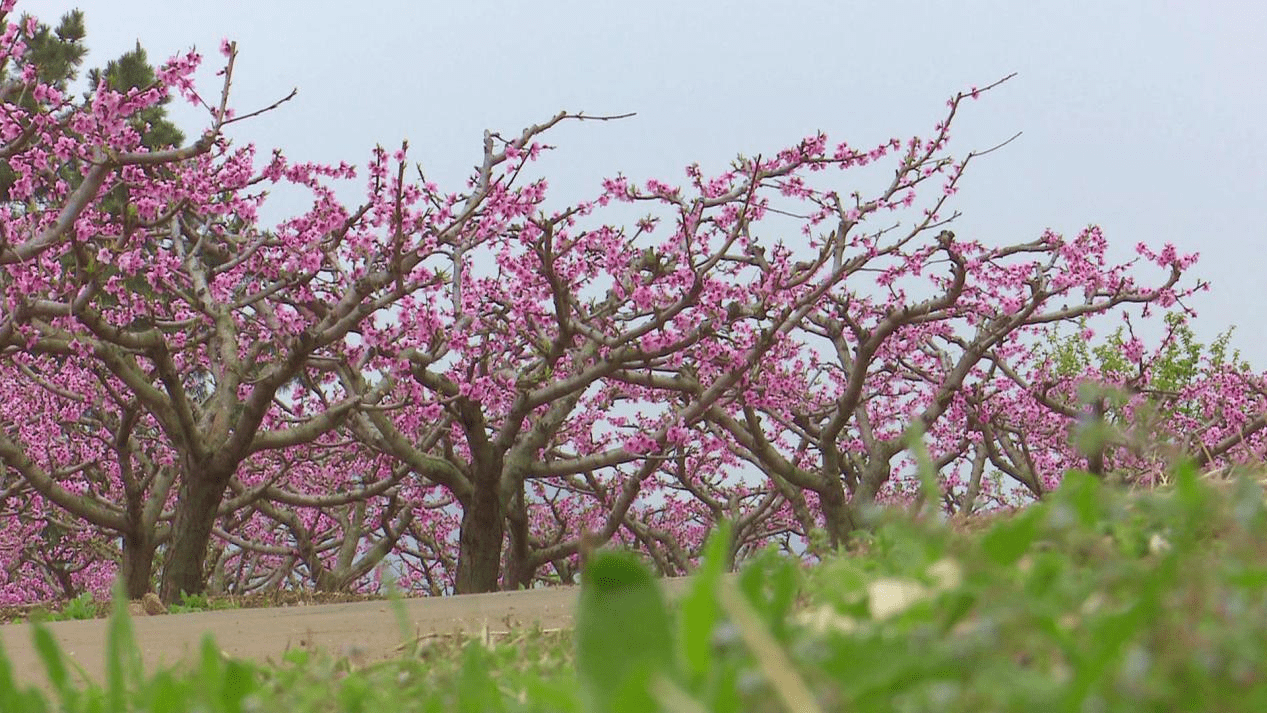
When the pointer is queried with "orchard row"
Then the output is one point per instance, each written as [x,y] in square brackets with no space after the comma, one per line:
[474,386]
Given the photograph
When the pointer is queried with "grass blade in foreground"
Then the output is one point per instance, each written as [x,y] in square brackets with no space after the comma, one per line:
[698,610]
[623,633]
[13,699]
[54,665]
[123,658]
[774,661]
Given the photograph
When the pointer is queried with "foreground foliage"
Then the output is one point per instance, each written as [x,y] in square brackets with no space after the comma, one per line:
[1096,599]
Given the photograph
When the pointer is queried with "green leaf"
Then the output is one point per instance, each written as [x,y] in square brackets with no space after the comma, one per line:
[956,606]
[698,610]
[165,695]
[1080,492]
[7,684]
[222,682]
[623,632]
[1009,539]
[1188,487]
[477,692]
[552,694]
[770,582]
[1108,637]
[209,667]
[238,683]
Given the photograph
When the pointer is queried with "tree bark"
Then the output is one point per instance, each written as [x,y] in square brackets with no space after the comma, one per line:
[838,514]
[138,563]
[480,542]
[198,502]
[840,511]
[520,567]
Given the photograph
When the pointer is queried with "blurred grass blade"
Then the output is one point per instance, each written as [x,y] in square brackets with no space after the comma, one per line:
[774,662]
[477,691]
[54,666]
[623,632]
[166,695]
[1192,493]
[673,698]
[123,658]
[8,687]
[222,680]
[698,610]
[12,699]
[770,582]
[397,602]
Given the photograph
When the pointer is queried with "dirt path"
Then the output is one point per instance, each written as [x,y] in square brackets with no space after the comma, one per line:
[367,631]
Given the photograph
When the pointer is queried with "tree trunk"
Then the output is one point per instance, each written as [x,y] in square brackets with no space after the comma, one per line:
[197,504]
[519,565]
[138,563]
[874,475]
[480,542]
[838,514]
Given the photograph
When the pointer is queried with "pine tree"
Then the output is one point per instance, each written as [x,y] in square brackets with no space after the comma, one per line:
[132,70]
[58,54]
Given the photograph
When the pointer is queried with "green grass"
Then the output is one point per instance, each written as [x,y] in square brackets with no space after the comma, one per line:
[1096,599]
[200,602]
[79,608]
[85,606]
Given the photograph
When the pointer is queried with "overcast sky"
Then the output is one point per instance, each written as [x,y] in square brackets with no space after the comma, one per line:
[1146,117]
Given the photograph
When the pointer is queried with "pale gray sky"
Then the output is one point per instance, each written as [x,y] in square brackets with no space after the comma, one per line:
[1144,116]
